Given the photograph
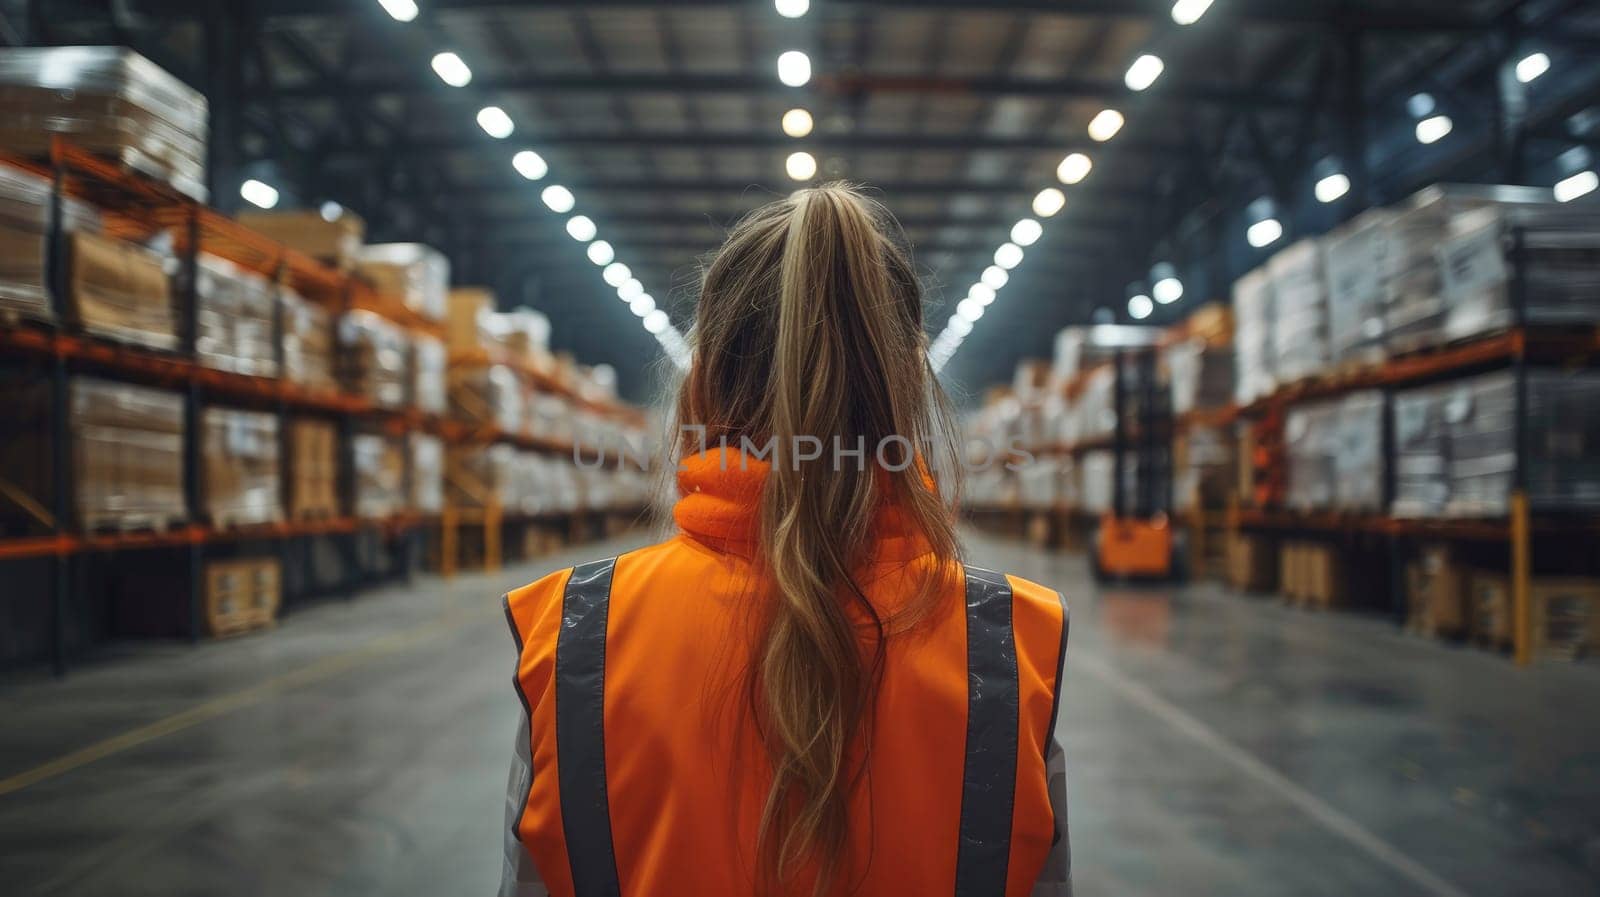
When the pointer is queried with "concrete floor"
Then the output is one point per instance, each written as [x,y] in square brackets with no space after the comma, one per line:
[1217,745]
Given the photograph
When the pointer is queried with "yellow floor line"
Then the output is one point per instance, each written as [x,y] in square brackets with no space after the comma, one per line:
[322,669]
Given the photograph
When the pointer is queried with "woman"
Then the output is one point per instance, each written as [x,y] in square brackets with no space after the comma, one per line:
[803,692]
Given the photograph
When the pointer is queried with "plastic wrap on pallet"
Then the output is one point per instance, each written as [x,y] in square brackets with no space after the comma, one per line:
[426,472]
[550,416]
[379,464]
[1039,483]
[1200,375]
[1353,267]
[1335,454]
[1203,468]
[240,453]
[127,455]
[307,342]
[487,396]
[373,358]
[234,318]
[1253,351]
[1562,460]
[24,233]
[1415,307]
[428,380]
[109,100]
[1300,312]
[1560,267]
[477,476]
[416,274]
[1421,451]
[1095,406]
[525,333]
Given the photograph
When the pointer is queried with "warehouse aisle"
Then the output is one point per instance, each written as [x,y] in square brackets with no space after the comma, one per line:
[1217,745]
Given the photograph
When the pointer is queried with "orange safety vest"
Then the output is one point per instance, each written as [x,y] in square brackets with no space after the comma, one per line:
[645,775]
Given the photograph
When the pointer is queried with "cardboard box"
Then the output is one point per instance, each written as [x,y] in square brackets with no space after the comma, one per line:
[335,242]
[1489,608]
[1252,563]
[465,325]
[127,456]
[234,318]
[374,358]
[242,595]
[239,450]
[120,290]
[1566,618]
[307,343]
[417,275]
[380,475]
[1436,596]
[313,470]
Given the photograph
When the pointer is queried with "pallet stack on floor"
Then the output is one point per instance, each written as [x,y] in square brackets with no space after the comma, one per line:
[1414,426]
[264,400]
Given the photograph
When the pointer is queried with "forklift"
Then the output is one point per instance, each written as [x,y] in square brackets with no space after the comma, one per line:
[1135,540]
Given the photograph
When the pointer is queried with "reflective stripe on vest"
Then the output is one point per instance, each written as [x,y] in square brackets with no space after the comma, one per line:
[990,771]
[988,786]
[580,730]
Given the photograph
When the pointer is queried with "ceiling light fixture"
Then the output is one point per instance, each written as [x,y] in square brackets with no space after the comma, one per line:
[581,228]
[601,253]
[1105,126]
[451,69]
[558,198]
[1048,202]
[1026,232]
[530,165]
[797,123]
[794,68]
[1074,168]
[1144,71]
[495,122]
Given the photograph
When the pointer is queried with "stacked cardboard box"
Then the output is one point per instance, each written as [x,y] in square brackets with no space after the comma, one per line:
[334,239]
[1252,563]
[1456,444]
[239,450]
[550,416]
[24,230]
[313,470]
[127,455]
[379,465]
[1300,312]
[1489,608]
[486,396]
[1253,311]
[428,374]
[1436,594]
[235,318]
[1311,574]
[27,458]
[373,358]
[417,275]
[426,471]
[242,595]
[120,290]
[1566,618]
[467,325]
[307,343]
[481,476]
[109,100]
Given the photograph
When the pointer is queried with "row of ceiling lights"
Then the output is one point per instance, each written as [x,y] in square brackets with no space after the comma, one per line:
[1141,75]
[497,123]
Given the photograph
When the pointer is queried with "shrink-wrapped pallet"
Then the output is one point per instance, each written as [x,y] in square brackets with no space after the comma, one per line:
[428,375]
[379,465]
[1252,337]
[1562,459]
[109,100]
[1200,374]
[1353,263]
[1203,468]
[1421,451]
[1335,454]
[426,472]
[1554,248]
[373,358]
[417,275]
[24,233]
[233,315]
[486,396]
[1299,312]
[239,451]
[127,455]
[307,342]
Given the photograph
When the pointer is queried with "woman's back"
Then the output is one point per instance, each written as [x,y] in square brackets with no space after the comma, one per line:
[684,773]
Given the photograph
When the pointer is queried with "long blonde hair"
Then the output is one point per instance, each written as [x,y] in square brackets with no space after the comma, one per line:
[810,325]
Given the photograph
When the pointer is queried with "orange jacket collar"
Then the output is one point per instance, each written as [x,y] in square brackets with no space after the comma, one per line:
[719,505]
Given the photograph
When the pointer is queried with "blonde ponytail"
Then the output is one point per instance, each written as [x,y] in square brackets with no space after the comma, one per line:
[810,328]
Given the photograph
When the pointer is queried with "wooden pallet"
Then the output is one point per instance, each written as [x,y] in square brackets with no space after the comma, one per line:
[121,523]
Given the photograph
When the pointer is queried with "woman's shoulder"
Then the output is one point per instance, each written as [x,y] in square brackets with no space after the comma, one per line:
[676,554]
